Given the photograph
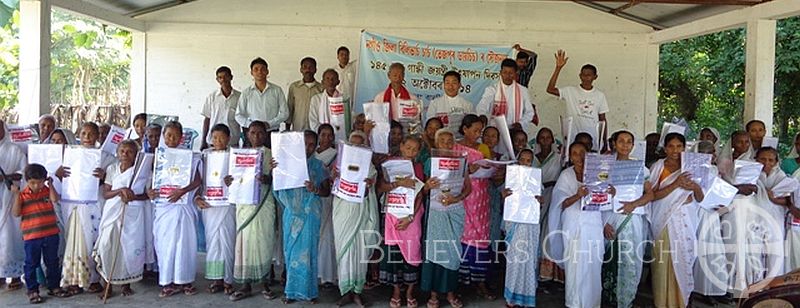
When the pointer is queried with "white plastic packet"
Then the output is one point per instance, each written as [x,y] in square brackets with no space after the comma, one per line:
[525,184]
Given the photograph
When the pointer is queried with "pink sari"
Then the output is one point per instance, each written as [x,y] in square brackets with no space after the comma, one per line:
[476,206]
[408,240]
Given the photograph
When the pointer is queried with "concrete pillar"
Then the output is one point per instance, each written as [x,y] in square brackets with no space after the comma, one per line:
[138,74]
[34,60]
[651,90]
[760,72]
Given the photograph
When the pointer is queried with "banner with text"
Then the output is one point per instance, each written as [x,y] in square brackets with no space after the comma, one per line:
[426,63]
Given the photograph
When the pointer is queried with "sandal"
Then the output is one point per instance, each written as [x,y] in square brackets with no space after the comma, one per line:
[228,289]
[394,303]
[189,289]
[16,284]
[433,303]
[286,300]
[168,291]
[267,293]
[59,292]
[215,288]
[237,295]
[371,285]
[127,291]
[74,290]
[455,302]
[34,298]
[486,294]
[411,303]
[95,288]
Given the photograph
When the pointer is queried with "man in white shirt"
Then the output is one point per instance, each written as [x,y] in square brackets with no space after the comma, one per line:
[449,103]
[300,93]
[262,101]
[329,107]
[507,98]
[585,104]
[220,107]
[347,73]
[398,97]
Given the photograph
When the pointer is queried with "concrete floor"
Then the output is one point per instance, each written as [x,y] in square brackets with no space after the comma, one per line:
[147,296]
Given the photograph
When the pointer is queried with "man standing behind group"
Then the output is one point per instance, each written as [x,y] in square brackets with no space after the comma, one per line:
[300,94]
[262,101]
[507,98]
[220,108]
[526,63]
[347,74]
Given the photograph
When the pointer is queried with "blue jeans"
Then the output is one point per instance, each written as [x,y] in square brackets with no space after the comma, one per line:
[35,250]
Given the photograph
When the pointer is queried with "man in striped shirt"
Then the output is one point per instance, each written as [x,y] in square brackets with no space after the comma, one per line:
[39,231]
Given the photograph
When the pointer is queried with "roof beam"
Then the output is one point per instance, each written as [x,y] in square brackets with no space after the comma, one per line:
[777,9]
[634,18]
[96,12]
[706,2]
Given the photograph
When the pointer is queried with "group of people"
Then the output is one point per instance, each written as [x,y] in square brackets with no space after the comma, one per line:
[309,236]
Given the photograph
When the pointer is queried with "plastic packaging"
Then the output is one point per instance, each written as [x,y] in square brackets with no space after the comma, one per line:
[379,136]
[172,171]
[400,201]
[596,173]
[353,163]
[215,192]
[244,165]
[81,185]
[51,156]
[746,172]
[525,184]
[289,151]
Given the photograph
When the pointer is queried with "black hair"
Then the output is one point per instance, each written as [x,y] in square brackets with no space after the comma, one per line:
[468,121]
[394,124]
[434,119]
[174,124]
[330,71]
[412,138]
[487,128]
[484,119]
[616,135]
[91,125]
[309,59]
[453,74]
[258,124]
[224,69]
[35,172]
[539,133]
[311,133]
[338,50]
[737,134]
[672,136]
[523,55]
[325,126]
[141,116]
[258,60]
[751,122]
[515,132]
[154,126]
[768,149]
[589,67]
[509,63]
[525,150]
[584,135]
[569,151]
[222,128]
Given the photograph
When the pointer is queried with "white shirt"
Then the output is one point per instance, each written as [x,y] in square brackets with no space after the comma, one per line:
[268,106]
[395,103]
[319,105]
[443,105]
[347,79]
[584,107]
[220,109]
[487,102]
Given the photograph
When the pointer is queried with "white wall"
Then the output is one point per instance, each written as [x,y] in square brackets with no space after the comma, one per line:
[185,44]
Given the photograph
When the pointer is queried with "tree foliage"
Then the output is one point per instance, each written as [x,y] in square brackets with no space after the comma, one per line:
[702,80]
[90,61]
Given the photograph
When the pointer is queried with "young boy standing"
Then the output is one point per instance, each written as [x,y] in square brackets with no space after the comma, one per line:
[300,94]
[450,102]
[585,104]
[34,204]
[220,108]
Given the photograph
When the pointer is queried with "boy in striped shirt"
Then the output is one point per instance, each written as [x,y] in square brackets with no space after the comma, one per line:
[34,204]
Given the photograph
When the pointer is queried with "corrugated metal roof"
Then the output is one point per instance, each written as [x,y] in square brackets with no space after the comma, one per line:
[135,7]
[659,14]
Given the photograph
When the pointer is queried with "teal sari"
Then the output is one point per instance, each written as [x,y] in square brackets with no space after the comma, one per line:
[301,223]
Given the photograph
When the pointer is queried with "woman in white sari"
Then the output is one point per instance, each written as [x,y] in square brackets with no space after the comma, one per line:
[791,165]
[673,227]
[326,153]
[581,232]
[710,274]
[625,228]
[548,159]
[355,229]
[12,253]
[120,240]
